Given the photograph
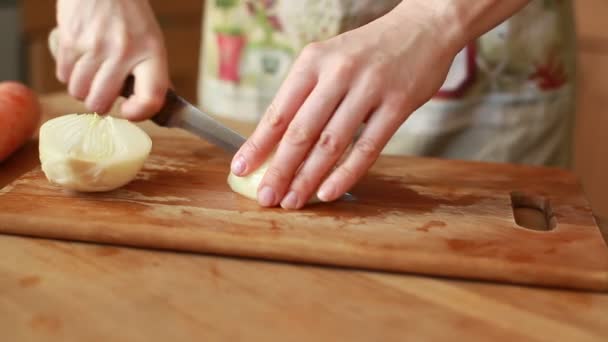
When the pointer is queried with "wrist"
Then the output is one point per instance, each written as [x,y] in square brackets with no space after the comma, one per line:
[445,27]
[457,22]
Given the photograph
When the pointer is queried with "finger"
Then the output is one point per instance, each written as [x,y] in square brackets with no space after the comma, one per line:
[290,96]
[53,42]
[380,128]
[66,59]
[151,84]
[82,75]
[333,142]
[299,137]
[106,86]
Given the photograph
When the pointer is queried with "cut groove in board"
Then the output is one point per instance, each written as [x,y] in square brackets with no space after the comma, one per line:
[411,215]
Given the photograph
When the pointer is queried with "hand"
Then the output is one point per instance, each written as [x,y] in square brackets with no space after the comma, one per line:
[101,42]
[377,74]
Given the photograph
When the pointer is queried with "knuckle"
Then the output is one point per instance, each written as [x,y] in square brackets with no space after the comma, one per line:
[251,147]
[153,45]
[375,78]
[121,47]
[380,59]
[312,50]
[303,69]
[274,118]
[95,47]
[367,148]
[275,174]
[344,66]
[374,84]
[303,184]
[394,104]
[330,143]
[347,174]
[298,135]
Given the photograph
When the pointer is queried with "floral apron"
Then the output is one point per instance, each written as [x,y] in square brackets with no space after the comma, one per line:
[508,97]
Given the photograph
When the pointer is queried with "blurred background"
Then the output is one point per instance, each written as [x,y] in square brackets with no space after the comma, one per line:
[25,24]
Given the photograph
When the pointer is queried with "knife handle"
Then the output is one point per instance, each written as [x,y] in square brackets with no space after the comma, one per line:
[171,104]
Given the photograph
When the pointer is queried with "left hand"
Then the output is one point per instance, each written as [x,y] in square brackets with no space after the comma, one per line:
[377,74]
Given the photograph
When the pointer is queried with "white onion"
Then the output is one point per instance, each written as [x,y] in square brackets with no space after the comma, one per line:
[92,153]
[248,186]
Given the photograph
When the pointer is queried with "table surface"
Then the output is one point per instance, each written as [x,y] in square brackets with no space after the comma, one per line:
[126,294]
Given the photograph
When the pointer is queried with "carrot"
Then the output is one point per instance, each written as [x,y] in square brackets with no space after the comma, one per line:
[20,114]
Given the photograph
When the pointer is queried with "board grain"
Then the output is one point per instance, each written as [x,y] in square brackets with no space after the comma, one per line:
[55,291]
[413,215]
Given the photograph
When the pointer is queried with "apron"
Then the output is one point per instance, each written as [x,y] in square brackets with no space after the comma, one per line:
[508,97]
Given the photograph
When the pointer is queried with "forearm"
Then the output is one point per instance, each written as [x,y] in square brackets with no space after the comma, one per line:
[460,21]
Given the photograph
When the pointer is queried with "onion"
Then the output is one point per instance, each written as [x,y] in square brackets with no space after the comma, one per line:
[92,153]
[248,186]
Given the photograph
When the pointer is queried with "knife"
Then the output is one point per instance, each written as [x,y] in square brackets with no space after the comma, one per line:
[179,113]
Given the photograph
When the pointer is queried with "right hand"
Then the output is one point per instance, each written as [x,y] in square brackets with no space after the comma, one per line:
[101,42]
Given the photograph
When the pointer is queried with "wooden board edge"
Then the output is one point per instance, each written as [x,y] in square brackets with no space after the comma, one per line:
[326,254]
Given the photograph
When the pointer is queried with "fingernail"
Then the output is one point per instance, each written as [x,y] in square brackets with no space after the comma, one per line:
[239,166]
[266,197]
[290,201]
[326,192]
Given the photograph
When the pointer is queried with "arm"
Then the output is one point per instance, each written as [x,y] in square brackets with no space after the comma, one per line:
[379,74]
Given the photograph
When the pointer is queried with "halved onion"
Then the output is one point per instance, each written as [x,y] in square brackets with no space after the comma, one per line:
[92,153]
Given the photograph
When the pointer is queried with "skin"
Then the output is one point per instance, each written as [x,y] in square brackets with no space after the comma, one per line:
[377,74]
[101,42]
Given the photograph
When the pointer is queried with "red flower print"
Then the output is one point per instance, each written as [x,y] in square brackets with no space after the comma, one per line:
[550,75]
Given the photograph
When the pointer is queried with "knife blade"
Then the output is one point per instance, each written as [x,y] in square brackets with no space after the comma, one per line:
[179,113]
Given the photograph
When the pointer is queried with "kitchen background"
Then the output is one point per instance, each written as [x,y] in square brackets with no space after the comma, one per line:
[10,40]
[24,26]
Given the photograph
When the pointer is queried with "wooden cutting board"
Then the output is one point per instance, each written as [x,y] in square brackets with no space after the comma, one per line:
[414,215]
